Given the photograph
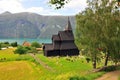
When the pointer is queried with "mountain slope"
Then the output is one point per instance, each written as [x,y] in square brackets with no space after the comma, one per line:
[31,25]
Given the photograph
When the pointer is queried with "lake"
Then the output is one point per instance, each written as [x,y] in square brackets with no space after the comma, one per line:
[21,40]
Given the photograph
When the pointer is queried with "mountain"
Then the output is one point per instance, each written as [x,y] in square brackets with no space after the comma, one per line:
[31,25]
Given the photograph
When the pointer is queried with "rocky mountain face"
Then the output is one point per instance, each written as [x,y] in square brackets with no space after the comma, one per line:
[31,25]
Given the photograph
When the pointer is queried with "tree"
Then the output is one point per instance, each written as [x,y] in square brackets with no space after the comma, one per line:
[21,50]
[6,43]
[58,3]
[14,44]
[35,44]
[98,29]
[0,46]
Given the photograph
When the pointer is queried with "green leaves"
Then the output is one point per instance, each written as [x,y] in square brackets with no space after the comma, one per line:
[99,27]
[58,3]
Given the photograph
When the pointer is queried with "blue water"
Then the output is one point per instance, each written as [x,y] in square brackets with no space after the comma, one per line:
[21,40]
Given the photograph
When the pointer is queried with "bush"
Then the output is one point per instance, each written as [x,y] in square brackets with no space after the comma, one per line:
[6,42]
[32,50]
[109,68]
[74,78]
[88,60]
[21,50]
[0,46]
[78,78]
[36,45]
[14,44]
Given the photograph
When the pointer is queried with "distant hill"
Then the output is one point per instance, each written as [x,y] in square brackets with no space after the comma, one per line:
[31,25]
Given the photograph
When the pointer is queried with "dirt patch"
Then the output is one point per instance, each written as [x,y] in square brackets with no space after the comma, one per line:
[114,75]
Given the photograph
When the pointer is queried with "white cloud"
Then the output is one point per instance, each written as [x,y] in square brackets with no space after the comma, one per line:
[76,4]
[11,5]
[42,11]
[15,6]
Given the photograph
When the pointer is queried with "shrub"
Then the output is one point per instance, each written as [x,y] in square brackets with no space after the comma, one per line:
[14,44]
[109,68]
[21,50]
[32,50]
[0,46]
[36,45]
[74,78]
[88,60]
[6,42]
[78,78]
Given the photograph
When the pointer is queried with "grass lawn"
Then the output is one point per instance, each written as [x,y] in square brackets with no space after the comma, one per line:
[65,69]
[22,67]
[8,54]
[17,70]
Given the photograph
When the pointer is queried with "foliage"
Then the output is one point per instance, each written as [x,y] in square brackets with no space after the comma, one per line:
[58,3]
[21,50]
[36,45]
[14,44]
[98,30]
[4,44]
[110,68]
[88,59]
[91,76]
[0,46]
[25,49]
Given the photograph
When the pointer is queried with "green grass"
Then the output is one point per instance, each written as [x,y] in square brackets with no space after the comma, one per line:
[18,70]
[119,78]
[23,67]
[8,54]
[65,68]
[91,76]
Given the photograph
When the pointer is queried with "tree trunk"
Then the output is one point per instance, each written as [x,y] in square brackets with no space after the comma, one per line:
[106,59]
[94,62]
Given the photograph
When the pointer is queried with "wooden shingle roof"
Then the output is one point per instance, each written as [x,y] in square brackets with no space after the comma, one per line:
[68,46]
[66,35]
[48,46]
[55,38]
[68,26]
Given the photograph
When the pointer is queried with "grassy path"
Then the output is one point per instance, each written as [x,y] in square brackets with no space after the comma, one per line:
[41,62]
[110,76]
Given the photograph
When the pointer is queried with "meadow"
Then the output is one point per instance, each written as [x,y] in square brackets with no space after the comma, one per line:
[24,67]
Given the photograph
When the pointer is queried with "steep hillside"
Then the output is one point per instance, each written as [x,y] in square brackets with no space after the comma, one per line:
[31,25]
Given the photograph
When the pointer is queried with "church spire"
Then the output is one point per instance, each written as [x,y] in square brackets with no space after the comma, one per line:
[68,26]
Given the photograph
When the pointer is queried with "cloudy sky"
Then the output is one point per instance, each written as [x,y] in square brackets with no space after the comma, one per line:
[41,7]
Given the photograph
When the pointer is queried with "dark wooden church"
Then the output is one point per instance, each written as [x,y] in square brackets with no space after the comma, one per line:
[62,44]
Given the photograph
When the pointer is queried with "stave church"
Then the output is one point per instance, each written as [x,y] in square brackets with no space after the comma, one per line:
[62,44]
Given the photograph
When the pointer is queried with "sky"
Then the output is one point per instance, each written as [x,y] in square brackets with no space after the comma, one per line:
[41,7]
